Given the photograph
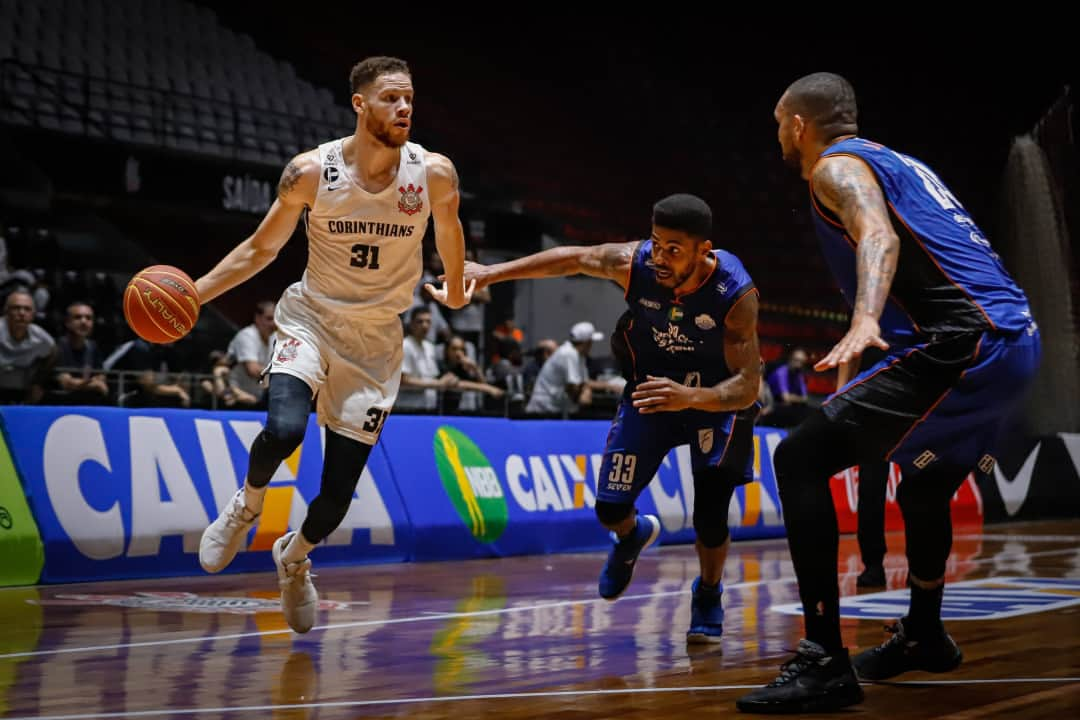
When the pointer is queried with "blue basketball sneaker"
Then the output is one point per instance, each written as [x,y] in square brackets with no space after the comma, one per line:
[706,613]
[619,567]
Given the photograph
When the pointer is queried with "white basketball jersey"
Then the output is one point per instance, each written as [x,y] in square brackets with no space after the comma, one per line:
[364,255]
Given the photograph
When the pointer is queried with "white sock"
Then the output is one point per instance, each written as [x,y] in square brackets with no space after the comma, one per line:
[297,549]
[253,498]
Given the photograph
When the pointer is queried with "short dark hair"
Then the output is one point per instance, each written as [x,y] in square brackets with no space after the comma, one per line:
[419,310]
[77,303]
[20,290]
[827,100]
[263,306]
[367,70]
[684,212]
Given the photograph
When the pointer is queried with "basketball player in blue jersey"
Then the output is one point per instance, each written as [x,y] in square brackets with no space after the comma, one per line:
[960,348]
[365,200]
[690,354]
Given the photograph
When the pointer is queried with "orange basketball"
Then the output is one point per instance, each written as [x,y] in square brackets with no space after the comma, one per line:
[161,304]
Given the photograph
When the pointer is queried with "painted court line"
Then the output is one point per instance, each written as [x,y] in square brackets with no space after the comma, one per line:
[1020,538]
[491,696]
[426,615]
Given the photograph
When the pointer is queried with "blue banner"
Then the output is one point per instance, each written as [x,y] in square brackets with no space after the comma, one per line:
[513,487]
[127,493]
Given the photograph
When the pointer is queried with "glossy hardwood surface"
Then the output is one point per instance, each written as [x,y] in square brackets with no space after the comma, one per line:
[513,638]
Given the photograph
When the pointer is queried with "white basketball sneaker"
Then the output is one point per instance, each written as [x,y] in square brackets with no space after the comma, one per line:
[221,541]
[299,598]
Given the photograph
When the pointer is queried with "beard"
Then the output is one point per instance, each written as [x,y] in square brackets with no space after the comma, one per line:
[673,280]
[382,133]
[793,158]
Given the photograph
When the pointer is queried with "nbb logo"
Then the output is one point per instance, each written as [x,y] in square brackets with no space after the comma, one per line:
[118,493]
[471,484]
[551,483]
[562,482]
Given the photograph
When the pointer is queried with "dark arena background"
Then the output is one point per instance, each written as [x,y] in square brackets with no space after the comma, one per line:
[462,580]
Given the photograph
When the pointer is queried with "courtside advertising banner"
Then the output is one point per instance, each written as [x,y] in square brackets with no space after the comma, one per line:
[127,493]
[512,487]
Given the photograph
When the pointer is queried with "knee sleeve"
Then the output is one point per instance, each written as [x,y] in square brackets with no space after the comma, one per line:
[610,514]
[713,488]
[345,460]
[286,422]
[814,451]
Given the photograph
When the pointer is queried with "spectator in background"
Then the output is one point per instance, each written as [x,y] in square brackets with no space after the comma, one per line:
[420,378]
[788,385]
[768,403]
[438,329]
[539,355]
[79,360]
[563,384]
[511,364]
[466,393]
[157,370]
[223,387]
[506,329]
[468,322]
[27,352]
[249,353]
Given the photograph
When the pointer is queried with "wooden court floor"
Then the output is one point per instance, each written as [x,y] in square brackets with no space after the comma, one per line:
[527,638]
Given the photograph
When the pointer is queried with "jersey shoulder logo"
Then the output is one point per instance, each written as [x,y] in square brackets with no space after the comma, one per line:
[410,202]
[331,175]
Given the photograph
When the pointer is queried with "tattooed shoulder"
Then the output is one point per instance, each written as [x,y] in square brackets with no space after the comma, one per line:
[847,186]
[289,178]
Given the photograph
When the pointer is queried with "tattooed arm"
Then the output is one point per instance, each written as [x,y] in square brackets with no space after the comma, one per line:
[848,187]
[296,191]
[610,261]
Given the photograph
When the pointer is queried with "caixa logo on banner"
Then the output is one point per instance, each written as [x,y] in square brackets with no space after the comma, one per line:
[565,482]
[118,484]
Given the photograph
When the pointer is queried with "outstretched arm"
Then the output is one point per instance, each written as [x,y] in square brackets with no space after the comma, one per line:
[847,186]
[742,356]
[449,237]
[296,190]
[610,261]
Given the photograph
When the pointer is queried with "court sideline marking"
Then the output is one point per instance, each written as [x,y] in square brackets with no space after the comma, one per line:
[428,615]
[496,696]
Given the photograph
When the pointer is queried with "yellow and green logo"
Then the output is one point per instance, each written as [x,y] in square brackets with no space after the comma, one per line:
[471,483]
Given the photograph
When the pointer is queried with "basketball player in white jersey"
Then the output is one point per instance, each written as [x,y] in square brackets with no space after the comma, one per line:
[365,200]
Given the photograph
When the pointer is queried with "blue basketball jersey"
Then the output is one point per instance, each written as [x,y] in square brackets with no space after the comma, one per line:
[948,279]
[682,337]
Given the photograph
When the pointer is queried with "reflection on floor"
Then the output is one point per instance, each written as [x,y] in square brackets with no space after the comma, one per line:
[527,637]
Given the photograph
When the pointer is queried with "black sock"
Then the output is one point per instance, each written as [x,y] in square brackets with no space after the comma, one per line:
[823,627]
[925,613]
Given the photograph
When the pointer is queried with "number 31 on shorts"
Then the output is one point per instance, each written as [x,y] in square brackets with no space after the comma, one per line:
[376,419]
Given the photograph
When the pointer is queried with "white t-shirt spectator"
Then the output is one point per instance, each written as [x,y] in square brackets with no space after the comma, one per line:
[565,367]
[418,361]
[18,358]
[248,346]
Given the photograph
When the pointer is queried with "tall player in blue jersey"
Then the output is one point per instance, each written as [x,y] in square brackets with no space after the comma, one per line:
[689,348]
[960,348]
